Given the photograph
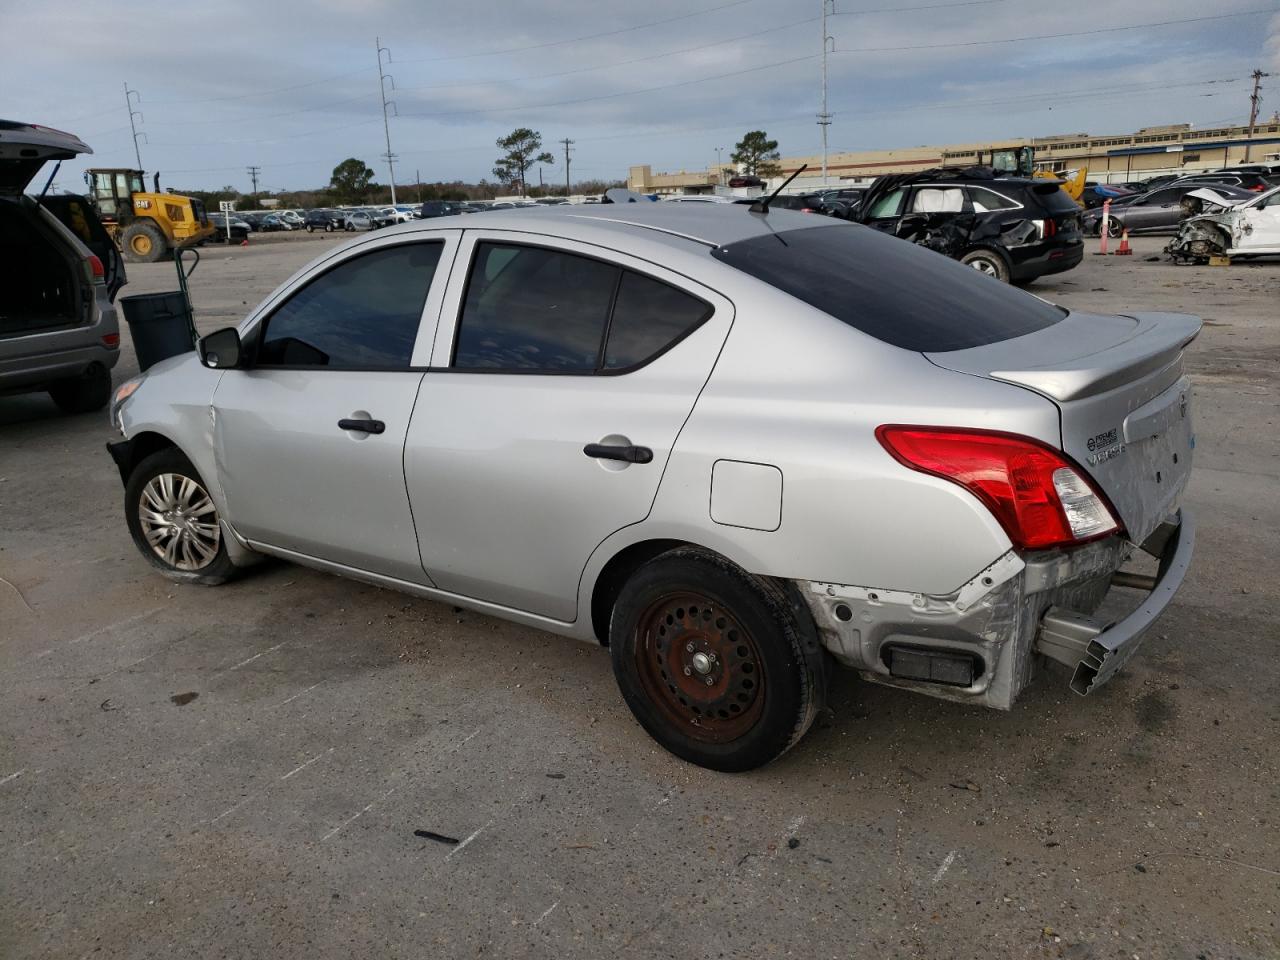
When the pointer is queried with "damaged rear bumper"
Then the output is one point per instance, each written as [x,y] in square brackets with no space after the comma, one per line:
[978,644]
[1095,649]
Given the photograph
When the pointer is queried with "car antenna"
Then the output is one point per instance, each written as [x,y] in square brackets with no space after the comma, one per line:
[762,206]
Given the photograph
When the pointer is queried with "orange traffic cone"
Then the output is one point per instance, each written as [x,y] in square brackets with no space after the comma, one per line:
[1124,250]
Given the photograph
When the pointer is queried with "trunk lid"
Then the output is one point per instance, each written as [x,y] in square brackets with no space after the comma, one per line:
[1122,397]
[24,148]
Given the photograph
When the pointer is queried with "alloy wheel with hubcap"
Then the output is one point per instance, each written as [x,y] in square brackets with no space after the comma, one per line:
[179,521]
[174,520]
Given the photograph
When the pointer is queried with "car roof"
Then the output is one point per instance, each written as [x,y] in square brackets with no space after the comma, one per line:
[712,224]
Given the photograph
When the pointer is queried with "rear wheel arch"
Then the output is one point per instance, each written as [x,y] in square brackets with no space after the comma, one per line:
[615,573]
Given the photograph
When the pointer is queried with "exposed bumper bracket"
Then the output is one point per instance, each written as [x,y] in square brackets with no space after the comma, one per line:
[1098,650]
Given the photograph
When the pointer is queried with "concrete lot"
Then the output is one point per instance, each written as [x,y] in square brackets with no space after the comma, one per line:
[239,772]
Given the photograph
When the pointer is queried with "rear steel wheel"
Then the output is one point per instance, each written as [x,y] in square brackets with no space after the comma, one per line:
[722,668]
[700,667]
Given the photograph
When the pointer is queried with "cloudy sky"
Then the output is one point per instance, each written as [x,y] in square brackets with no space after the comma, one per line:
[292,86]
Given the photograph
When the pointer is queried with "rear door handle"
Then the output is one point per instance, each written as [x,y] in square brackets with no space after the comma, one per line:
[601,451]
[364,426]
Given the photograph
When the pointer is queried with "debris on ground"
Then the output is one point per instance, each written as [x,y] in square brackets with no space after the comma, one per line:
[182,699]
[437,837]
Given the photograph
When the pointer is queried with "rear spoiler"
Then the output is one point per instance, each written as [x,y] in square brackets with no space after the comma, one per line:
[1156,343]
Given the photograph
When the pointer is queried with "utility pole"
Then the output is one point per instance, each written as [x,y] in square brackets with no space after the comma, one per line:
[253,175]
[386,124]
[828,45]
[567,144]
[1255,100]
[417,177]
[129,102]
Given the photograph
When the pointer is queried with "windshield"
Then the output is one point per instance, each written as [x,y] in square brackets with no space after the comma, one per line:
[888,288]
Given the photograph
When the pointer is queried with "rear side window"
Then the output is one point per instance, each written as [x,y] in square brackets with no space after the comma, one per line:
[649,317]
[984,200]
[533,309]
[363,314]
[892,290]
[530,308]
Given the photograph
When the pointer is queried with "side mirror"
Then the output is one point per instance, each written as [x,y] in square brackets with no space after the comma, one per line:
[220,350]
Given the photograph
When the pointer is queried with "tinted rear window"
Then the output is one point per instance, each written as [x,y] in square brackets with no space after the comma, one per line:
[888,288]
[1055,199]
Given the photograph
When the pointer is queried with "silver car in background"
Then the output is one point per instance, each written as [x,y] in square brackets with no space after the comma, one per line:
[732,446]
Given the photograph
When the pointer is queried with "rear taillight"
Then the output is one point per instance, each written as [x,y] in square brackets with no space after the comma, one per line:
[1039,497]
[111,340]
[93,266]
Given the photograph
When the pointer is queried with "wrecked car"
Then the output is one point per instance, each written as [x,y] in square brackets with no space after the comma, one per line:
[731,446]
[1012,229]
[1251,228]
[1161,210]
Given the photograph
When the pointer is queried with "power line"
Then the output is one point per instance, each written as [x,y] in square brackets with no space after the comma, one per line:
[792,60]
[1059,36]
[590,36]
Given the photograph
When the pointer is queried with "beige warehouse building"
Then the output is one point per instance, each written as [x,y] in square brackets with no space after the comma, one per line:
[1149,152]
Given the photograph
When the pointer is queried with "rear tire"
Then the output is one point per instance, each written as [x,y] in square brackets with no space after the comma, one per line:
[83,394]
[987,262]
[173,520]
[721,668]
[143,242]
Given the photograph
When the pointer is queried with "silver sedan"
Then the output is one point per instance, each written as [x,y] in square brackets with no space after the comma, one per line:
[735,447]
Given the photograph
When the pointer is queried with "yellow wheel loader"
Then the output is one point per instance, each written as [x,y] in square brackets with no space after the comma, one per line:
[146,225]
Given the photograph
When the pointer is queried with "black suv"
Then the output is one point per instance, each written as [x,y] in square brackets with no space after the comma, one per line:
[1012,229]
[326,220]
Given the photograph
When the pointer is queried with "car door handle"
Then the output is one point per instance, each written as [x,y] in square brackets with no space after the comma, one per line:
[602,451]
[364,426]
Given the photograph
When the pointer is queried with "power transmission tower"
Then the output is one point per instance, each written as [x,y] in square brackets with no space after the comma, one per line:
[129,102]
[253,175]
[1255,100]
[567,144]
[828,45]
[386,123]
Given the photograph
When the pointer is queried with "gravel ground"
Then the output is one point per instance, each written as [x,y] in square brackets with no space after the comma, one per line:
[240,772]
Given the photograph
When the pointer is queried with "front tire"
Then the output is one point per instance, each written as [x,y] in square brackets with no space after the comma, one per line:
[721,668]
[143,242]
[310,228]
[174,522]
[987,262]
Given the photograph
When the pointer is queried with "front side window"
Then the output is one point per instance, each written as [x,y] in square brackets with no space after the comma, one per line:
[890,205]
[362,314]
[530,309]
